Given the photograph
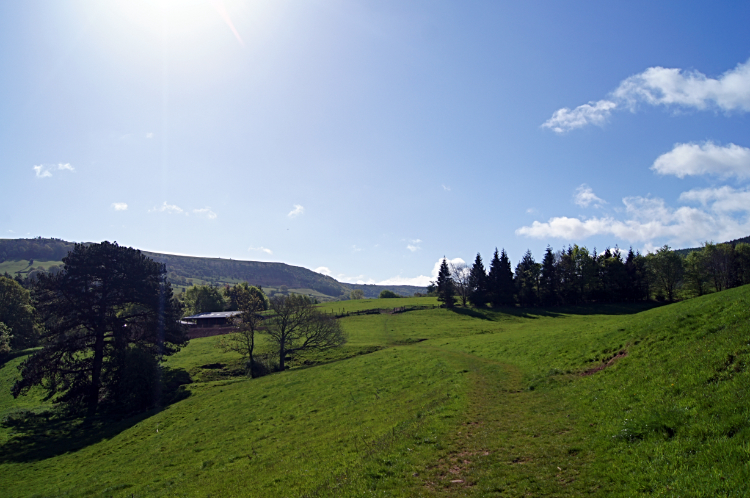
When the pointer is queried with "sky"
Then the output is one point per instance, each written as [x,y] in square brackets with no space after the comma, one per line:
[369,139]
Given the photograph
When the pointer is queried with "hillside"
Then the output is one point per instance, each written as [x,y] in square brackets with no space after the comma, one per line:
[685,252]
[19,255]
[599,400]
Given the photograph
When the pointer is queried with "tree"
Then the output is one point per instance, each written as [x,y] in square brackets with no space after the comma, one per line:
[548,284]
[387,294]
[5,338]
[203,299]
[500,280]
[17,313]
[357,294]
[666,266]
[241,293]
[461,276]
[250,321]
[107,301]
[444,284]
[696,273]
[478,283]
[527,279]
[297,326]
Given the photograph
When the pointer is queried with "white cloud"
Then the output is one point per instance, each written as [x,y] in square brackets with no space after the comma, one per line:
[41,171]
[413,245]
[149,135]
[446,188]
[720,200]
[651,221]
[323,270]
[706,158]
[205,213]
[45,170]
[261,249]
[167,208]
[421,280]
[585,196]
[120,206]
[592,113]
[663,86]
[298,210]
[356,249]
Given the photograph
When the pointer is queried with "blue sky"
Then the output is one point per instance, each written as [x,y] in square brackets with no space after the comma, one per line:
[367,139]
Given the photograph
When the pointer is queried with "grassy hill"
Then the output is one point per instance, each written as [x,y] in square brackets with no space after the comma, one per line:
[20,256]
[621,400]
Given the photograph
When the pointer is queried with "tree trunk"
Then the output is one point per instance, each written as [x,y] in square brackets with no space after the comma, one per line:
[96,373]
[282,355]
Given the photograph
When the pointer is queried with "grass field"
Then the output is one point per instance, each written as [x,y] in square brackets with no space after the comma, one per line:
[620,400]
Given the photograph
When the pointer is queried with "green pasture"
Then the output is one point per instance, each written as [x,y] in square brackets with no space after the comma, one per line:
[21,265]
[619,400]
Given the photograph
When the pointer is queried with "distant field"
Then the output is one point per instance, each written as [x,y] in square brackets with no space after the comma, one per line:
[620,400]
[23,264]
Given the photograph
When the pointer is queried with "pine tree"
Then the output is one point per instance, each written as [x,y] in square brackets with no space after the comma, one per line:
[494,288]
[505,278]
[109,308]
[478,283]
[527,279]
[549,280]
[445,285]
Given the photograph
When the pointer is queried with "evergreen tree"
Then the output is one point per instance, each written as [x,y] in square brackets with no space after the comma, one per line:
[444,285]
[494,288]
[478,283]
[106,303]
[527,280]
[505,280]
[548,288]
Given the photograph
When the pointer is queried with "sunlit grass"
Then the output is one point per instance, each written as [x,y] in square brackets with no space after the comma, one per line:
[438,402]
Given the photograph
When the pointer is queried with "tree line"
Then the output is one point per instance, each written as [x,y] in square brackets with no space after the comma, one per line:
[575,275]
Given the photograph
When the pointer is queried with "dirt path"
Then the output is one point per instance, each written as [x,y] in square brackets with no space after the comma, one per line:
[510,442]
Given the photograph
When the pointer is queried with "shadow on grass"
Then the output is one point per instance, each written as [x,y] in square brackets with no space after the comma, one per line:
[494,314]
[40,435]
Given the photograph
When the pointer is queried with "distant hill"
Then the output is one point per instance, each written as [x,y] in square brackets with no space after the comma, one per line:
[183,271]
[685,252]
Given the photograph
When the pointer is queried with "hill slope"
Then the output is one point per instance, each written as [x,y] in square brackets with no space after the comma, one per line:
[184,270]
[619,400]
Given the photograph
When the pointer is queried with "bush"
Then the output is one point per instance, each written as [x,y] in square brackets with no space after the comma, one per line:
[387,294]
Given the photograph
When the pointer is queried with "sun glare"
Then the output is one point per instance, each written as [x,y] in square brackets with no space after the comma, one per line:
[179,18]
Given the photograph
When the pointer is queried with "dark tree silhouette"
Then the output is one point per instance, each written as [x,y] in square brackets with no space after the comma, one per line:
[478,283]
[107,302]
[444,284]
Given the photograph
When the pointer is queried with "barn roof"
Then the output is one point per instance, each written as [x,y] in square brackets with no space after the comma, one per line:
[213,314]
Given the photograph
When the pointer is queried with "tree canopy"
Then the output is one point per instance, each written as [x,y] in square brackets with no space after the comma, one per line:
[108,306]
[296,326]
[17,313]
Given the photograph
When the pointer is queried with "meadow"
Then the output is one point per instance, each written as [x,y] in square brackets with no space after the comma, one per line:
[597,400]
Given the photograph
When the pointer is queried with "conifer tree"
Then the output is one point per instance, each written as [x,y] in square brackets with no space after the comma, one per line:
[505,280]
[494,288]
[549,280]
[445,285]
[527,279]
[478,283]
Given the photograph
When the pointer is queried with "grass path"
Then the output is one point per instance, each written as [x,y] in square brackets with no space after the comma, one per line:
[509,441]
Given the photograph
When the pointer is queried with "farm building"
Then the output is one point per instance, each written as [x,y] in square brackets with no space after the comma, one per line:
[211,319]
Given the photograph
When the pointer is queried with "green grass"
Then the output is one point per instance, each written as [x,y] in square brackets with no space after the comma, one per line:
[434,403]
[20,265]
